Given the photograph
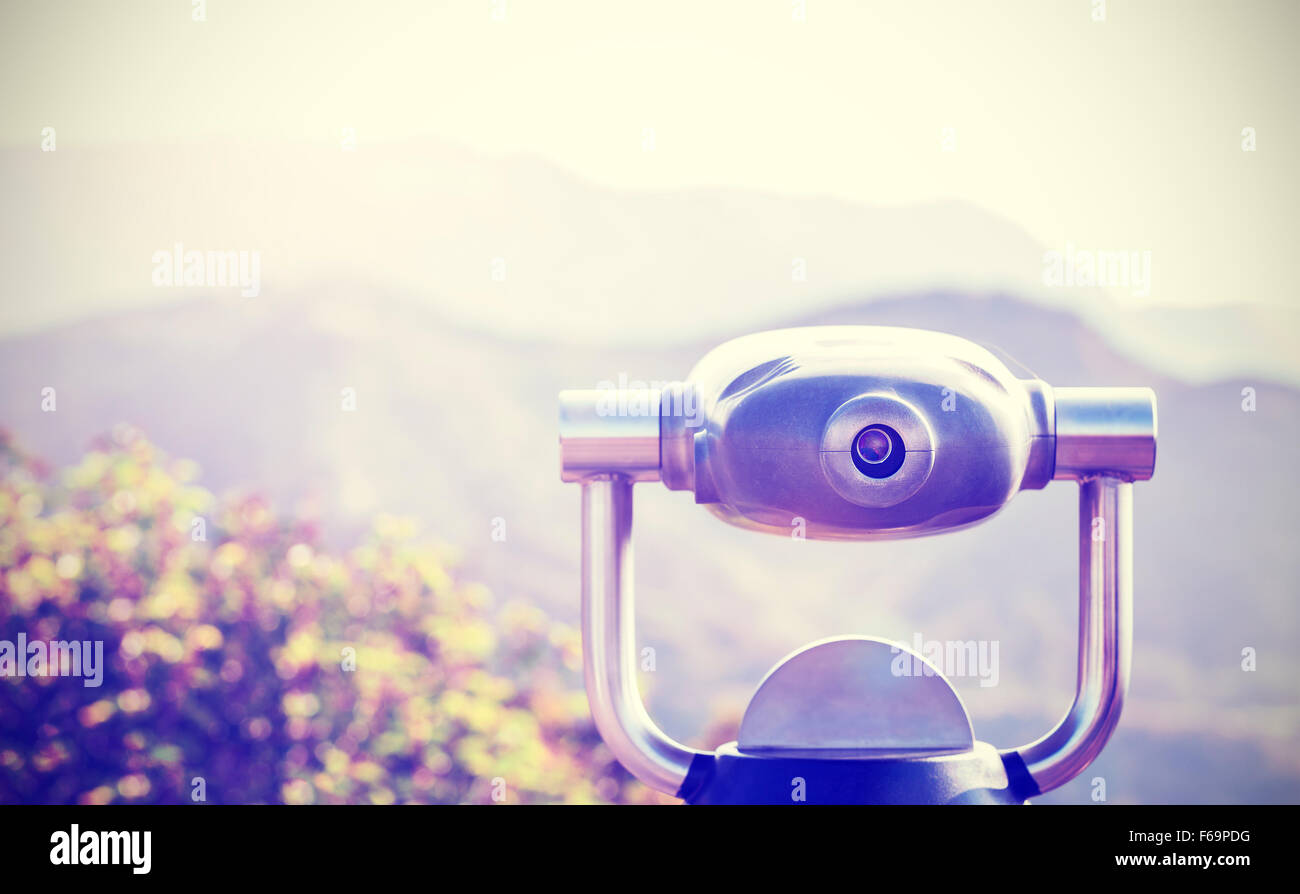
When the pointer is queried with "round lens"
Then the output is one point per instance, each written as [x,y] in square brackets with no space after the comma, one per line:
[873,445]
[878,451]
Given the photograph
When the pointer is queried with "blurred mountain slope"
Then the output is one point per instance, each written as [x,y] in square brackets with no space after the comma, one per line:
[519,247]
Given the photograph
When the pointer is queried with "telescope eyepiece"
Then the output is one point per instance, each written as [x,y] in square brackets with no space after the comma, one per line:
[878,451]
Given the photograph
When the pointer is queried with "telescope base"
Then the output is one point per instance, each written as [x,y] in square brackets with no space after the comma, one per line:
[977,776]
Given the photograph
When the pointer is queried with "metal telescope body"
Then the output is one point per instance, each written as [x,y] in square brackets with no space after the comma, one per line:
[856,433]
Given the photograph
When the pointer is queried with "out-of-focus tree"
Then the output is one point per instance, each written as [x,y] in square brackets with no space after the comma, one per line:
[246,664]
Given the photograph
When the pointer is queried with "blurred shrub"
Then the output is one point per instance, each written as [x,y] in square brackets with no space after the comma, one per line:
[239,652]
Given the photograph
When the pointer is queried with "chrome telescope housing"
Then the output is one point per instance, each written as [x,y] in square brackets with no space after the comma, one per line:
[863,433]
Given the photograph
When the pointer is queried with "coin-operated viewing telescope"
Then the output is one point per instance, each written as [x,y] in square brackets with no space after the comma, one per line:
[856,433]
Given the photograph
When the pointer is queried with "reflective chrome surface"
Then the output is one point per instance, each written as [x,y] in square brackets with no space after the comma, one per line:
[609,431]
[609,653]
[750,432]
[839,438]
[858,697]
[780,411]
[1105,430]
[1105,635]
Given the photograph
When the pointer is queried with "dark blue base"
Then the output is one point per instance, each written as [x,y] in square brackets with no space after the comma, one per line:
[980,776]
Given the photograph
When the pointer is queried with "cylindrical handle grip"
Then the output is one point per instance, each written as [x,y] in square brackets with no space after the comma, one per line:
[1105,431]
[609,432]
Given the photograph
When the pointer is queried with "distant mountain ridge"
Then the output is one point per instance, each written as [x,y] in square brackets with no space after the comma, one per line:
[521,248]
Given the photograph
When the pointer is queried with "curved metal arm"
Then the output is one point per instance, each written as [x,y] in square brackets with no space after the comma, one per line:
[1105,636]
[609,640]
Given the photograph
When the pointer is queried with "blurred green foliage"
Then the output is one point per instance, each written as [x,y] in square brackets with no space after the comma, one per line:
[231,658]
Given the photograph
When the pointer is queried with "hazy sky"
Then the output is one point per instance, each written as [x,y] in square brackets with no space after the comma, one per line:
[1124,134]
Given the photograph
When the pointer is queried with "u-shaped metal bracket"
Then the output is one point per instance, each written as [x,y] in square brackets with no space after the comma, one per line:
[610,655]
[1091,434]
